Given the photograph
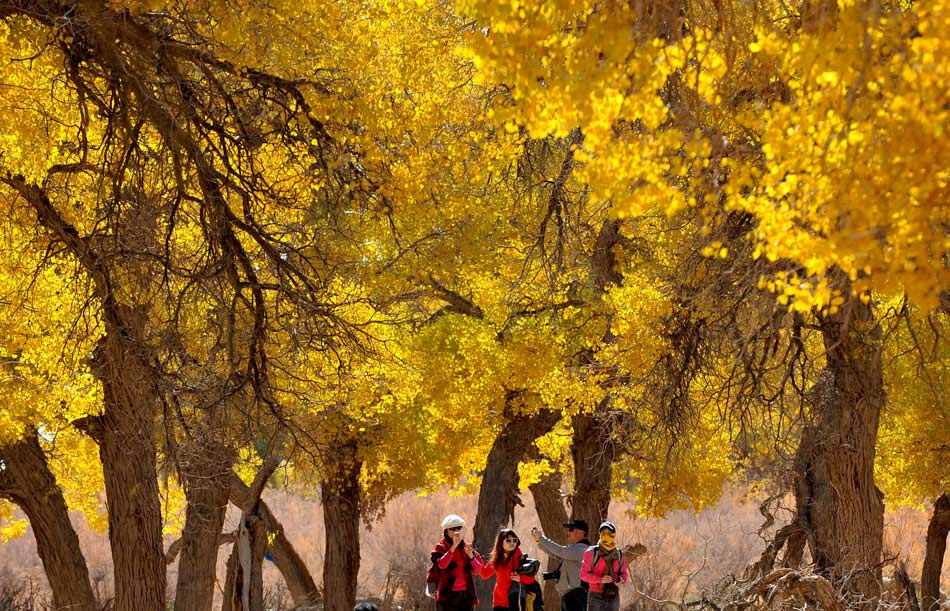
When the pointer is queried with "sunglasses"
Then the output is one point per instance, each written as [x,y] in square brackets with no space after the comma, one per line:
[512,540]
[456,529]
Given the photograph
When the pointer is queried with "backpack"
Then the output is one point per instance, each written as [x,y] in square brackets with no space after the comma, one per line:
[432,580]
[525,597]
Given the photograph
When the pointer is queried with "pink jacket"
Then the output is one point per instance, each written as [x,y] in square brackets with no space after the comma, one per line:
[593,573]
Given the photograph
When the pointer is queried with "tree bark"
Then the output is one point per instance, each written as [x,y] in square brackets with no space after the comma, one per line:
[206,469]
[128,454]
[933,559]
[122,363]
[498,492]
[553,516]
[841,509]
[244,588]
[27,481]
[340,491]
[908,591]
[300,584]
[593,452]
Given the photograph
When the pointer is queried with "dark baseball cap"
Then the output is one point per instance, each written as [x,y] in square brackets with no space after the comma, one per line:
[578,524]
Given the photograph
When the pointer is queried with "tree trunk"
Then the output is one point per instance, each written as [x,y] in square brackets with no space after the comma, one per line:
[27,481]
[340,490]
[206,470]
[841,509]
[300,584]
[122,363]
[127,451]
[553,516]
[498,493]
[593,452]
[244,588]
[908,591]
[936,548]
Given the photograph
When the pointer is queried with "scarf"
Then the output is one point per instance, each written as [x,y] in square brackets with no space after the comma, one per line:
[607,549]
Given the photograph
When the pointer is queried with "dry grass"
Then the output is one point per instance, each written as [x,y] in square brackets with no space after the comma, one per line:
[688,552]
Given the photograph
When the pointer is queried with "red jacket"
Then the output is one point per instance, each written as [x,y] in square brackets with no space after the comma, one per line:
[592,573]
[459,566]
[502,575]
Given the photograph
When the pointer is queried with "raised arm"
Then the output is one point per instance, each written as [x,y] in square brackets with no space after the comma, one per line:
[565,552]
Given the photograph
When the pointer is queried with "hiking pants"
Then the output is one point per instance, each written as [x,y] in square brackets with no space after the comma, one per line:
[455,601]
[596,602]
[575,600]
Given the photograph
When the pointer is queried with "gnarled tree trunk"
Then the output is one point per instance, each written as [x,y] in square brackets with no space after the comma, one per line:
[127,450]
[206,469]
[27,481]
[300,584]
[593,452]
[841,509]
[498,493]
[244,588]
[553,516]
[125,433]
[340,491]
[936,548]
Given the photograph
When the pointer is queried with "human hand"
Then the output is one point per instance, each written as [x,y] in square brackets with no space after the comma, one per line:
[516,577]
[536,533]
[470,551]
[606,579]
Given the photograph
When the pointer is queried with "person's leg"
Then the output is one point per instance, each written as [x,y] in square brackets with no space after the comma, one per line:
[575,600]
[455,601]
[595,602]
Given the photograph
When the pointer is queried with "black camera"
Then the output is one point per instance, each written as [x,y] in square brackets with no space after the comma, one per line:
[554,575]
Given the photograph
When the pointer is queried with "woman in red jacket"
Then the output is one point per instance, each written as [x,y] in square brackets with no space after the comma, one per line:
[454,562]
[503,564]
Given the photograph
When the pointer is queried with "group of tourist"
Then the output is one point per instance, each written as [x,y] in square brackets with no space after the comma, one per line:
[587,577]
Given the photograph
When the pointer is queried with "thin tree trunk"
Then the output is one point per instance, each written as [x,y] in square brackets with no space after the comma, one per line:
[553,516]
[593,452]
[498,492]
[244,588]
[300,583]
[936,548]
[27,481]
[841,509]
[232,588]
[127,451]
[902,577]
[340,490]
[206,469]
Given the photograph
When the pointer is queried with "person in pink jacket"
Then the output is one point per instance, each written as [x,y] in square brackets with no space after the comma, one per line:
[603,568]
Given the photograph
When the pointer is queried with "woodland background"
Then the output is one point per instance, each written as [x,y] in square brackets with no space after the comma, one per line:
[600,255]
[687,552]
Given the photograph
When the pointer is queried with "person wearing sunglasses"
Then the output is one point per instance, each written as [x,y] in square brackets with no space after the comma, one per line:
[454,562]
[570,588]
[515,585]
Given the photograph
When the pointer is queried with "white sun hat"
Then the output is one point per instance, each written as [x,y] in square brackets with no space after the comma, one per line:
[451,521]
